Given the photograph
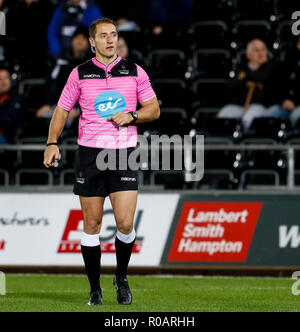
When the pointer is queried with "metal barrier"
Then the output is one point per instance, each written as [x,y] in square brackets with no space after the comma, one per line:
[289,149]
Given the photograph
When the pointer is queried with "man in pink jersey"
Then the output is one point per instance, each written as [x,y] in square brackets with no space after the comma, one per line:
[107,88]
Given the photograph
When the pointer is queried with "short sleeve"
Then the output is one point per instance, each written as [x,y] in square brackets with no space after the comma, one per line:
[145,91]
[71,92]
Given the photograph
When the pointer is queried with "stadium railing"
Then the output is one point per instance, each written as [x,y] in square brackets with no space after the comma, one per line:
[289,149]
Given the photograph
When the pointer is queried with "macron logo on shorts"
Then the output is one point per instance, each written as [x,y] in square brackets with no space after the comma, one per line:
[128,179]
[80,180]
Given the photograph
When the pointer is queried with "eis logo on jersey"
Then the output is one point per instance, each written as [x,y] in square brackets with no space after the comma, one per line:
[109,103]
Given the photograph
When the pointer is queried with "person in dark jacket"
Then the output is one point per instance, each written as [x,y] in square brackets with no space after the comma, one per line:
[60,72]
[10,109]
[69,16]
[258,89]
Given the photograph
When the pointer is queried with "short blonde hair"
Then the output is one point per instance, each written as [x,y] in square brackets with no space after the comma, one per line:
[102,20]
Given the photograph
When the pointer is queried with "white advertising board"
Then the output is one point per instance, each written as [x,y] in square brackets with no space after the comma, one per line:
[45,229]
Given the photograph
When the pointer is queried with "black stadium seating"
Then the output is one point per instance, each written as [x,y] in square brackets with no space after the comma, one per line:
[189,67]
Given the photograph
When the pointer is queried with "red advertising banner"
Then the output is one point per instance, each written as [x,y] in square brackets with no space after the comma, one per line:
[214,232]
[70,242]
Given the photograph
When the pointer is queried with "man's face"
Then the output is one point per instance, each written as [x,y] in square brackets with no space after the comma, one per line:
[29,2]
[106,40]
[80,43]
[5,81]
[122,48]
[258,53]
[76,2]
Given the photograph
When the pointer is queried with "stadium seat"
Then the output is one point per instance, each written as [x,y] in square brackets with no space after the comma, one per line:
[297,178]
[213,9]
[33,92]
[284,34]
[171,37]
[138,55]
[169,63]
[34,127]
[171,92]
[254,9]
[219,158]
[210,92]
[258,178]
[31,158]
[33,176]
[212,63]
[209,34]
[284,9]
[216,179]
[246,30]
[202,118]
[172,121]
[4,177]
[274,128]
[263,159]
[135,40]
[169,179]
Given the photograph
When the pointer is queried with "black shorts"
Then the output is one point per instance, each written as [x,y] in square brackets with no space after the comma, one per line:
[92,182]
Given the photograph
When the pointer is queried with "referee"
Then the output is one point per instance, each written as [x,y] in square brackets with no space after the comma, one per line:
[107,88]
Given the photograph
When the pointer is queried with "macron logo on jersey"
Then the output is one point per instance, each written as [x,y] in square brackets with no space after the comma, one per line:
[109,103]
[91,76]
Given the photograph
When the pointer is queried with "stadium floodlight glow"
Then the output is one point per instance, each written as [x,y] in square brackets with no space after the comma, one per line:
[2,284]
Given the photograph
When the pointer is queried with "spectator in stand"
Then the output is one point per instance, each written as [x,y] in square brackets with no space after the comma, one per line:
[10,109]
[258,88]
[27,23]
[69,16]
[59,74]
[125,53]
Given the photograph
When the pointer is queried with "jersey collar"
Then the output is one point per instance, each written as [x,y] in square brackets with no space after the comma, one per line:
[110,66]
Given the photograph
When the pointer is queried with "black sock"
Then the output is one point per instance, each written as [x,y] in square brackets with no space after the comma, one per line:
[92,257]
[123,253]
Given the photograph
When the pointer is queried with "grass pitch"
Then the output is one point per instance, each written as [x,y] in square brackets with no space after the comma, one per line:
[66,293]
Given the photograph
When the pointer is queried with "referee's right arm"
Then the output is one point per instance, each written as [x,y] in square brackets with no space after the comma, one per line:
[57,125]
[67,100]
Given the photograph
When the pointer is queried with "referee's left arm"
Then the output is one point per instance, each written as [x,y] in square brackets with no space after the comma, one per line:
[150,111]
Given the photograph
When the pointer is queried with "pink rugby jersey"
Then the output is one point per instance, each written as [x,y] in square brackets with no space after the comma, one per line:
[101,92]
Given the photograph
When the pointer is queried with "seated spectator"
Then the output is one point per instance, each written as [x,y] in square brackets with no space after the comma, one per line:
[60,72]
[257,89]
[69,16]
[125,53]
[10,109]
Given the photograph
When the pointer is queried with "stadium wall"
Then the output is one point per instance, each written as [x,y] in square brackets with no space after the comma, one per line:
[209,230]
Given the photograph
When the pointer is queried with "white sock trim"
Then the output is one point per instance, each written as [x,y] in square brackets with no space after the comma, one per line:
[89,240]
[126,238]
